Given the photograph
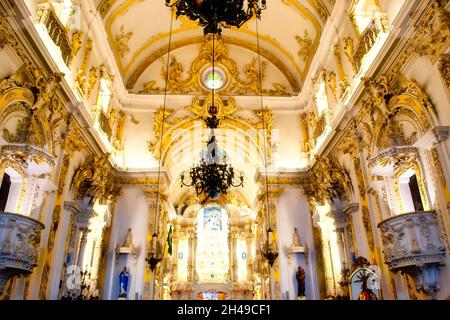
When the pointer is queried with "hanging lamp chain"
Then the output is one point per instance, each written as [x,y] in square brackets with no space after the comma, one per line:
[156,257]
[270,254]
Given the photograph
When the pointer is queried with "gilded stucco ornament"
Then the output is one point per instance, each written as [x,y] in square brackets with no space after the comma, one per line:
[349,50]
[121,40]
[434,31]
[198,110]
[444,68]
[93,179]
[368,38]
[81,78]
[321,10]
[33,105]
[332,83]
[92,79]
[305,44]
[77,43]
[105,6]
[46,15]
[240,83]
[379,89]
[368,227]
[318,124]
[327,181]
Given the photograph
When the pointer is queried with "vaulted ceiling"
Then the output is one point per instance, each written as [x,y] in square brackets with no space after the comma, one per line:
[139,30]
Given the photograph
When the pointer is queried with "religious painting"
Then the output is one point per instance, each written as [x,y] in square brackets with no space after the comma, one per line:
[212,220]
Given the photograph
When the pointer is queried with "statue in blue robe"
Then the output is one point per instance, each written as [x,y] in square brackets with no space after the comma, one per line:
[123,282]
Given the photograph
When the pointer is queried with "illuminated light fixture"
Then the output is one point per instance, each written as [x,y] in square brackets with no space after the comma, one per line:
[213,176]
[269,249]
[212,15]
[155,253]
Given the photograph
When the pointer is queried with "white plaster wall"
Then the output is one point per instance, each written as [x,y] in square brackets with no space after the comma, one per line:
[136,138]
[131,212]
[8,65]
[287,138]
[433,84]
[293,212]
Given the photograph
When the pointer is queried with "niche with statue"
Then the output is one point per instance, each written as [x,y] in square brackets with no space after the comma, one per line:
[126,259]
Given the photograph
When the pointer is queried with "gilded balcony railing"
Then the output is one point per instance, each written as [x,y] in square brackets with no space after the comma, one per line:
[377,25]
[20,237]
[57,31]
[105,125]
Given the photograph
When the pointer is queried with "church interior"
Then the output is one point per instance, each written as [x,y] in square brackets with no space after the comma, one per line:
[224,149]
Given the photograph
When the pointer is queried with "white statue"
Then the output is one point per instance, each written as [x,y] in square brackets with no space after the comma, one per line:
[128,243]
[296,239]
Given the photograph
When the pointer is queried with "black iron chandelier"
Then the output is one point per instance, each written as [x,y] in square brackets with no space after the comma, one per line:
[269,248]
[213,175]
[214,14]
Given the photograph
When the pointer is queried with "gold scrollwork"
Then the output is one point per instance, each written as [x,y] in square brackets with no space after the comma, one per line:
[199,111]
[177,83]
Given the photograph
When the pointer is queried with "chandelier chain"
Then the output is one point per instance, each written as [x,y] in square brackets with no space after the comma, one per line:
[158,188]
[264,125]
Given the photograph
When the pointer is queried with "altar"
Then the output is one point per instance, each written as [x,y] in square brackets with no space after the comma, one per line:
[214,253]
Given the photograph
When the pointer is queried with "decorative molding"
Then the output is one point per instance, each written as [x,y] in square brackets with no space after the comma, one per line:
[121,41]
[413,244]
[295,86]
[180,84]
[20,237]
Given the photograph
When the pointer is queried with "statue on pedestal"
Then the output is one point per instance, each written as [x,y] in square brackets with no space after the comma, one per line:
[296,239]
[123,282]
[300,275]
[128,243]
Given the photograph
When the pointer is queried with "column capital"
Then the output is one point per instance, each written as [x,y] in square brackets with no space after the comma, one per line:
[281,178]
[441,133]
[72,207]
[82,218]
[341,218]
[432,137]
[351,208]
[151,192]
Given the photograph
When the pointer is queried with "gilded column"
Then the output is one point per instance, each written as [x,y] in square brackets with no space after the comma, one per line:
[80,256]
[231,257]
[234,266]
[249,241]
[192,250]
[269,197]
[175,243]
[106,239]
[152,196]
[372,215]
[71,212]
[73,141]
